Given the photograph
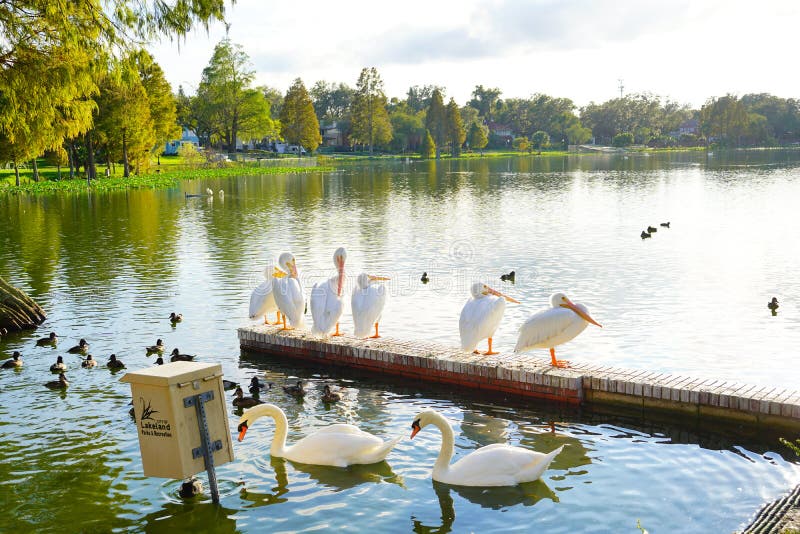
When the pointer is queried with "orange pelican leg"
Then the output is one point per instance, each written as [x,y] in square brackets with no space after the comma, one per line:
[490,352]
[278,315]
[377,335]
[284,324]
[557,363]
[337,333]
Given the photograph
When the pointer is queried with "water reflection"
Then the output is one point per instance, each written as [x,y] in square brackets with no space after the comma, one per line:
[190,517]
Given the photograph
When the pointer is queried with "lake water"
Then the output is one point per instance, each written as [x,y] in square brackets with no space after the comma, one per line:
[690,300]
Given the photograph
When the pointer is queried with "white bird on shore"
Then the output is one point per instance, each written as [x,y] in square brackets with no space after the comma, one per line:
[288,293]
[209,192]
[554,326]
[367,302]
[262,300]
[327,303]
[481,316]
[498,464]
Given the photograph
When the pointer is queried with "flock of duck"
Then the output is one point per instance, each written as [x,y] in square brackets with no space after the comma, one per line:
[82,349]
[651,230]
[282,293]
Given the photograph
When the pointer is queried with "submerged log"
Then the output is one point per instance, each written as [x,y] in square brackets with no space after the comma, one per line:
[17,310]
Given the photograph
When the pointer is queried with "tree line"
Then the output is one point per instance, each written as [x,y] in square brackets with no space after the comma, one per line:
[77,87]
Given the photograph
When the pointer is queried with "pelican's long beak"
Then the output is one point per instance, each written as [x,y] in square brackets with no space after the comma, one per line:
[378,278]
[242,430]
[278,273]
[583,315]
[340,262]
[498,294]
[293,268]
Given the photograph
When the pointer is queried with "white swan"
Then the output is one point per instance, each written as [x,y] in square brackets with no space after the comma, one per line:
[337,445]
[288,293]
[481,316]
[367,303]
[327,303]
[498,464]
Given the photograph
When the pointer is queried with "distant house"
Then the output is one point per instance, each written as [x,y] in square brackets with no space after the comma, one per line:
[692,126]
[501,131]
[331,135]
[188,136]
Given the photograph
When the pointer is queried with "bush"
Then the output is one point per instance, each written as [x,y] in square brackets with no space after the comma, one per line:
[622,140]
[540,140]
[520,143]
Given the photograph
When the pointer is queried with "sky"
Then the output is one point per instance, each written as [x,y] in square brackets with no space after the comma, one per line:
[684,50]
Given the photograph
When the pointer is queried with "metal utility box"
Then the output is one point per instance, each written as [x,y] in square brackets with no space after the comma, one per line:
[167,401]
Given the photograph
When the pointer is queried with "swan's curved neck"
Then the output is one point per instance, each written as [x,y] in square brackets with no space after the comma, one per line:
[278,447]
[446,452]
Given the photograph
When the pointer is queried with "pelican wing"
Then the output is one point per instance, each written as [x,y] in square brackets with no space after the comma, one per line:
[262,300]
[479,320]
[289,297]
[367,307]
[549,328]
[326,306]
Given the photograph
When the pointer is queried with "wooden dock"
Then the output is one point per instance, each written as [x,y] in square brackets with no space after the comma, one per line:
[527,375]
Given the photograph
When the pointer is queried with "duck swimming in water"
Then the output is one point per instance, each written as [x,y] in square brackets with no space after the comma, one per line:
[296,390]
[510,277]
[190,488]
[256,385]
[114,363]
[178,357]
[59,366]
[665,225]
[157,348]
[243,402]
[175,317]
[61,383]
[52,339]
[81,348]
[773,304]
[652,229]
[330,396]
[14,362]
[159,361]
[645,235]
[229,384]
[425,278]
[89,362]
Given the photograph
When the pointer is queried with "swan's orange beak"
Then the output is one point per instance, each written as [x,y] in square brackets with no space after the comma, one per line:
[242,430]
[583,315]
[414,429]
[498,294]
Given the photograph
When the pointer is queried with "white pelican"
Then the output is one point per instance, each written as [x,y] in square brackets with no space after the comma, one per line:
[498,464]
[262,300]
[367,303]
[326,299]
[554,326]
[481,316]
[288,293]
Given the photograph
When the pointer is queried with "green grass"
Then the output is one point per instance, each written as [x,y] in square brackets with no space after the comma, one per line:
[151,180]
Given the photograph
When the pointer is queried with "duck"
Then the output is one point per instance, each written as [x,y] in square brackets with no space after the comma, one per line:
[59,366]
[190,488]
[3,331]
[178,357]
[330,396]
[337,445]
[645,235]
[14,362]
[61,383]
[243,402]
[773,304]
[175,317]
[114,363]
[157,348]
[652,229]
[665,225]
[425,278]
[80,348]
[256,385]
[498,464]
[510,277]
[296,390]
[227,385]
[89,362]
[159,361]
[52,339]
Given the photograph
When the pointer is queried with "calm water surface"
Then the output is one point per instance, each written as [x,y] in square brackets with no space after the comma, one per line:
[691,300]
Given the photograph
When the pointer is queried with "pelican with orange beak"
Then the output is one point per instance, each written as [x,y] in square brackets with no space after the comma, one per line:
[288,292]
[367,302]
[481,316]
[327,303]
[554,326]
